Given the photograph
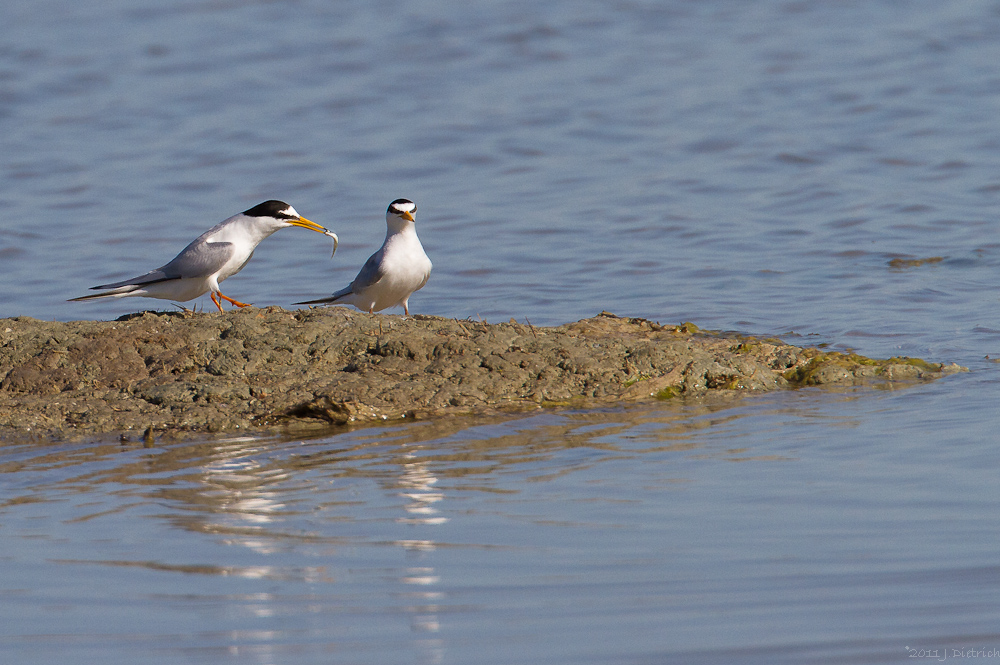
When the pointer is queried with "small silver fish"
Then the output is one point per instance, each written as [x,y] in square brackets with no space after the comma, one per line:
[336,241]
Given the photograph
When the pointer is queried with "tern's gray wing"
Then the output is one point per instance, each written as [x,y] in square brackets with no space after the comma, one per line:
[199,259]
[151,277]
[371,272]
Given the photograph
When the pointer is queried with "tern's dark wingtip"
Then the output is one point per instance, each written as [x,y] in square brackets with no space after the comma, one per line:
[89,297]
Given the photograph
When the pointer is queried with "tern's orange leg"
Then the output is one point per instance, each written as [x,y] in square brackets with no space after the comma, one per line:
[235,302]
[217,303]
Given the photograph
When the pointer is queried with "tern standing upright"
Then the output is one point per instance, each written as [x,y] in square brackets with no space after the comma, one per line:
[390,275]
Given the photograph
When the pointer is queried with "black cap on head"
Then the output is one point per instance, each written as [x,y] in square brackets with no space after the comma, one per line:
[274,209]
[402,205]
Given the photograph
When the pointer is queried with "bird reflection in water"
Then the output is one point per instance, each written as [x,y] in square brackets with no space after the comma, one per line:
[418,486]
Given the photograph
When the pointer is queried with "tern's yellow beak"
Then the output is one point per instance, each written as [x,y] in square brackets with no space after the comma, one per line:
[308,224]
[407,215]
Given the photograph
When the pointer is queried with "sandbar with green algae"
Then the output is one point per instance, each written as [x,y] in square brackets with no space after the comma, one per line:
[262,370]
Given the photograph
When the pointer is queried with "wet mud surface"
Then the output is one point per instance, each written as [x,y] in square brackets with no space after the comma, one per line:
[266,370]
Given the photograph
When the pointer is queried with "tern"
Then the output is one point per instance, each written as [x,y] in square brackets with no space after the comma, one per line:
[390,275]
[216,254]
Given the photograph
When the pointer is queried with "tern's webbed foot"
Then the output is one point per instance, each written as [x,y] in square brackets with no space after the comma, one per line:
[235,302]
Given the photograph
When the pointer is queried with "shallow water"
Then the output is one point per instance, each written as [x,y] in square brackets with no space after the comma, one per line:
[746,166]
[801,527]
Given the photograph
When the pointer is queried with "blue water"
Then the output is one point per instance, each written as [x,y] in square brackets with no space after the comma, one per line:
[745,166]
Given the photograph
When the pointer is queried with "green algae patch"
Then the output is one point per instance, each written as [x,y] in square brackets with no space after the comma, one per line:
[824,368]
[264,370]
[669,392]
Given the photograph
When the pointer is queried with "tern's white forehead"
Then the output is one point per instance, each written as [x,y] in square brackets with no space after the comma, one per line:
[402,205]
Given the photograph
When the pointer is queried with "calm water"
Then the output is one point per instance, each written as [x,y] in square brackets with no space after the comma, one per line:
[746,166]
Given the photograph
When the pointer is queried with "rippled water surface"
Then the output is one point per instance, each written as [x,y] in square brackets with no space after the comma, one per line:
[768,167]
